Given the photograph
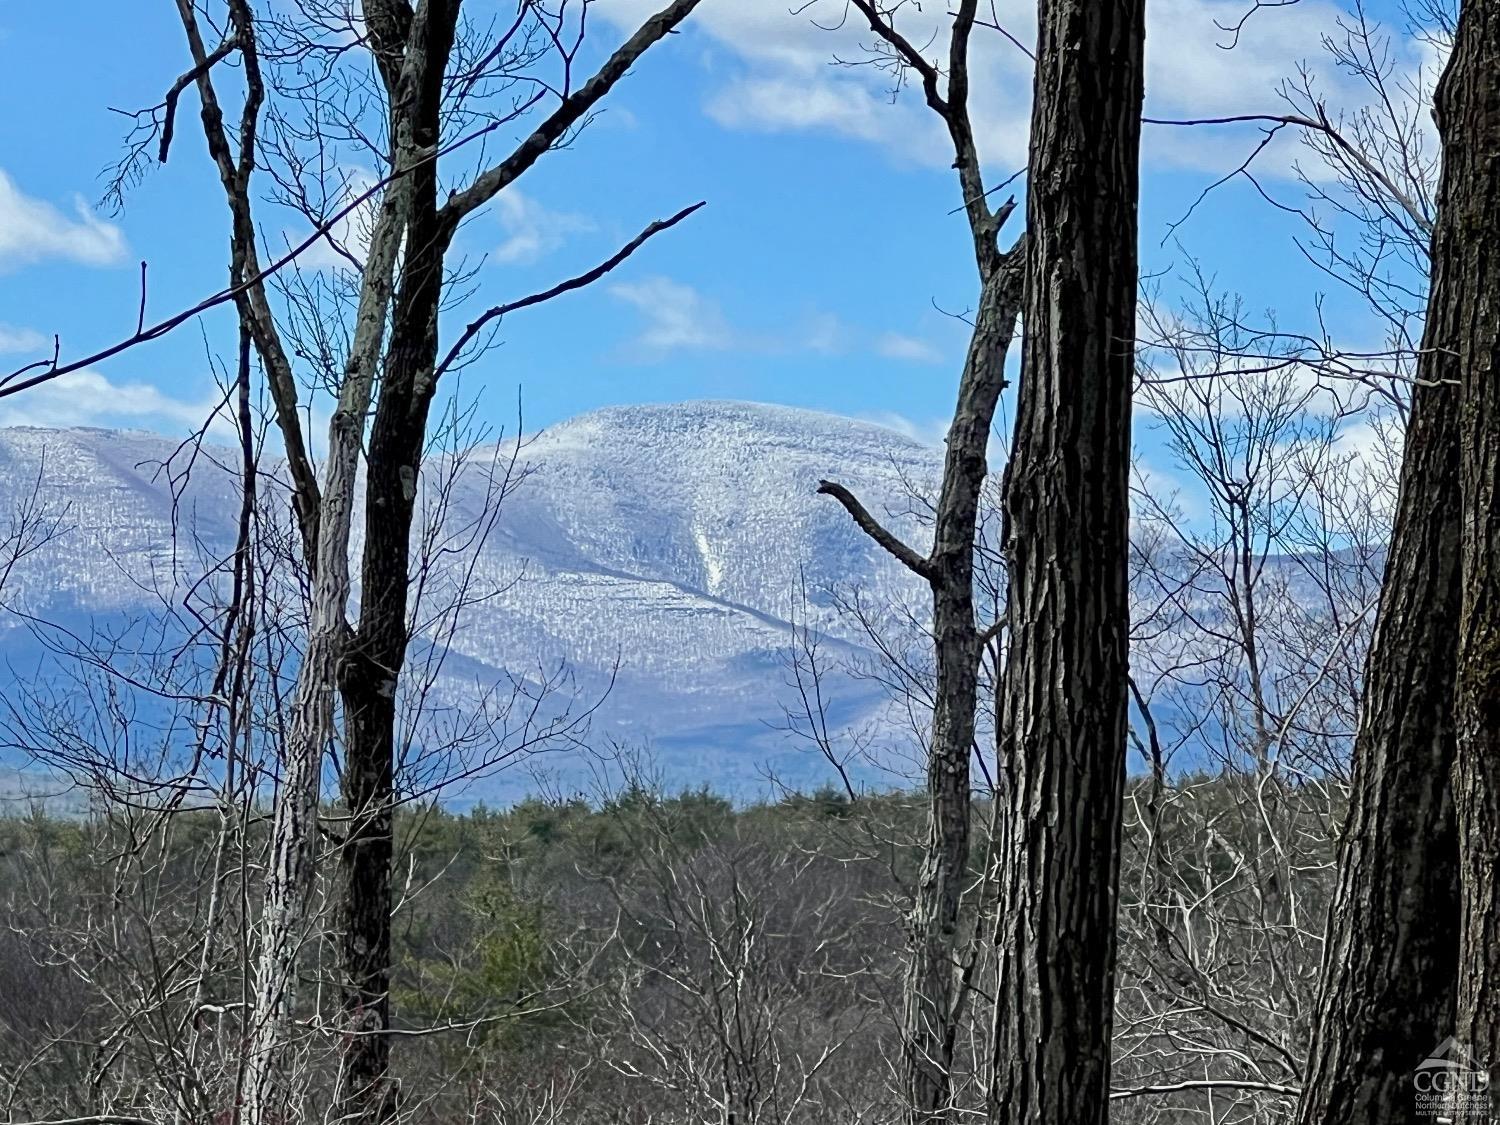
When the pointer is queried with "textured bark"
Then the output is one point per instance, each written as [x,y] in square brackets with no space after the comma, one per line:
[310,727]
[1392,960]
[412,49]
[411,45]
[933,988]
[1390,956]
[294,838]
[936,988]
[370,669]
[290,870]
[1064,688]
[937,985]
[1468,112]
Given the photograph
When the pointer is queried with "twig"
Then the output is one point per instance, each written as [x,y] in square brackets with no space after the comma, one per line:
[1207,1084]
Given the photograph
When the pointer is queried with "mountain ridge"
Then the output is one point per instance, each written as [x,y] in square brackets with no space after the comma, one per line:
[659,551]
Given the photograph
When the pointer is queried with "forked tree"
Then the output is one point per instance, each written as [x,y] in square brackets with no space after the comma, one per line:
[940,970]
[426,71]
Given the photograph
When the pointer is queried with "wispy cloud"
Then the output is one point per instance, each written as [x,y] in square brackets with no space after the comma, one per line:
[933,431]
[1155,490]
[531,230]
[895,345]
[14,340]
[826,334]
[676,317]
[33,230]
[87,398]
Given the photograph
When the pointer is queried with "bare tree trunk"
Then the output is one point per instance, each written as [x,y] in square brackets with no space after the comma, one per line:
[1064,686]
[411,45]
[413,50]
[933,988]
[936,985]
[1410,872]
[370,673]
[1467,109]
[1389,957]
[323,517]
[294,839]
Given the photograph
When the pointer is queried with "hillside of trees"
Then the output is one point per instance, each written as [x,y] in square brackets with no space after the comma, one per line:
[638,958]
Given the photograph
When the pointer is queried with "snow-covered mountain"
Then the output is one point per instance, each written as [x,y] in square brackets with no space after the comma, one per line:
[662,549]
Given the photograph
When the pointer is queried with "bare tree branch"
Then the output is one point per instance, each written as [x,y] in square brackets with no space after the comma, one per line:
[876,530]
[573,109]
[588,277]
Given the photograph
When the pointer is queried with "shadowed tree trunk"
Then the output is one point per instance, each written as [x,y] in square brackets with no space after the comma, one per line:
[1468,112]
[1392,953]
[1389,958]
[413,51]
[1064,687]
[935,989]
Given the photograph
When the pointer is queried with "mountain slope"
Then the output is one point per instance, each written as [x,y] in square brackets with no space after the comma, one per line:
[660,552]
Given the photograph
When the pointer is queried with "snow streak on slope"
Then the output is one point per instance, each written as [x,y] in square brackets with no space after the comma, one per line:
[660,548]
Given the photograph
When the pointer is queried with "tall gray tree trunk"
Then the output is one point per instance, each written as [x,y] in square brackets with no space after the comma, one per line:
[1064,688]
[933,986]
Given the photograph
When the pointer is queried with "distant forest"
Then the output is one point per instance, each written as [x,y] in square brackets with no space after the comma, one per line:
[647,957]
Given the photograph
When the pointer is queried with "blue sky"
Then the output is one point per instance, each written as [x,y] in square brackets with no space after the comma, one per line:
[814,277]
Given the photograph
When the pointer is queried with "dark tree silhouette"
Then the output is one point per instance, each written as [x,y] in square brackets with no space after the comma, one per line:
[1063,690]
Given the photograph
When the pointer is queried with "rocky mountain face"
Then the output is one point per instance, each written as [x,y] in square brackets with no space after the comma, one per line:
[658,554]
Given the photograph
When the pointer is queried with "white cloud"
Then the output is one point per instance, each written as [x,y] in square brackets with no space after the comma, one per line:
[894,345]
[21,340]
[532,232]
[1365,467]
[1154,479]
[677,317]
[931,432]
[779,78]
[347,237]
[32,230]
[1194,67]
[830,103]
[826,334]
[87,398]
